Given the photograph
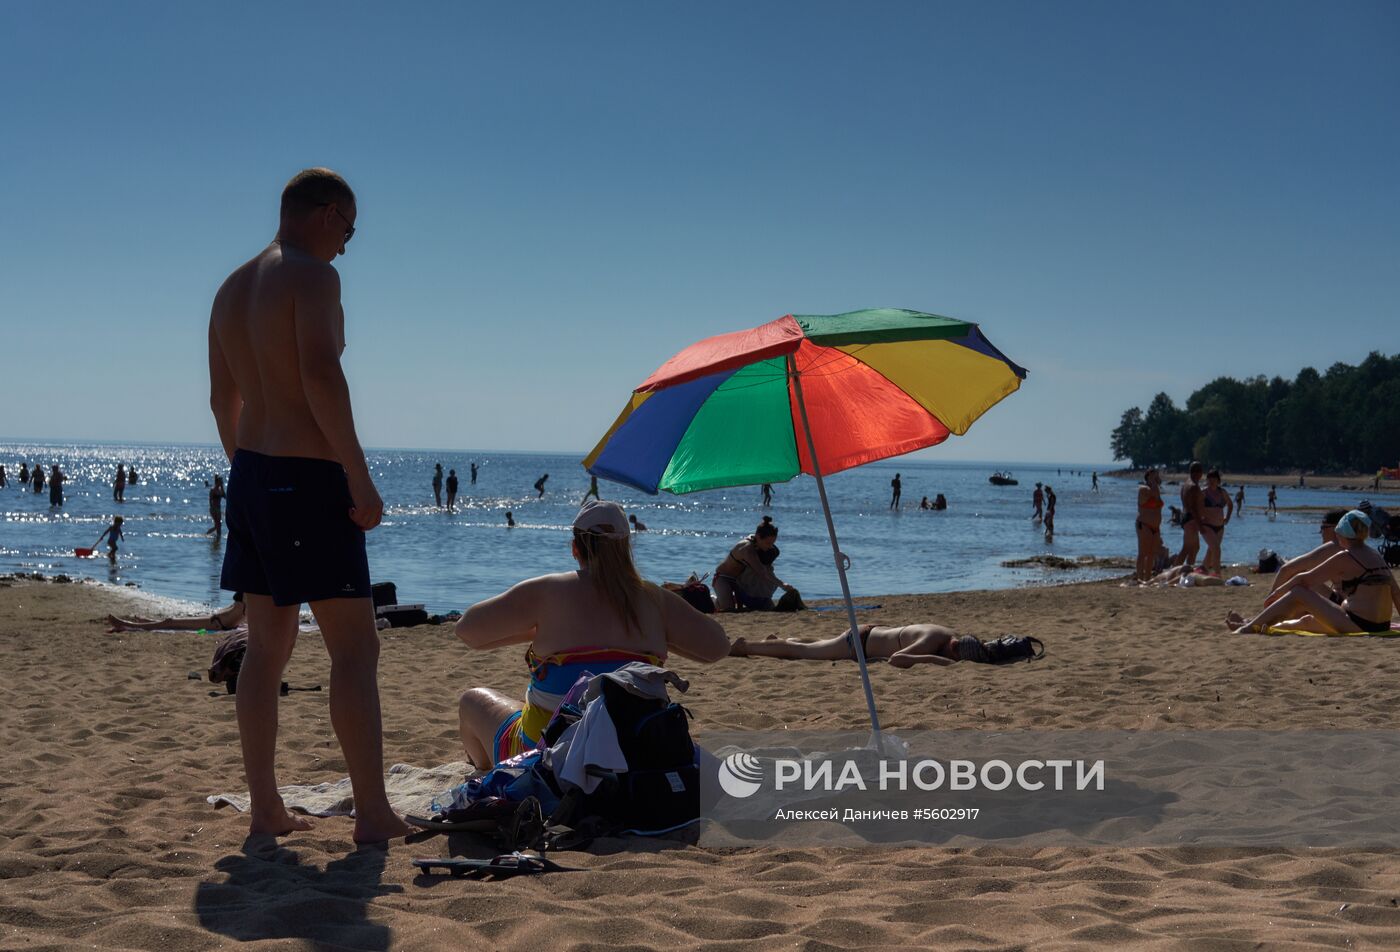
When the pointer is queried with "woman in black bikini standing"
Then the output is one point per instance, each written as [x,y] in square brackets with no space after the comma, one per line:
[1149,523]
[1358,572]
[1216,510]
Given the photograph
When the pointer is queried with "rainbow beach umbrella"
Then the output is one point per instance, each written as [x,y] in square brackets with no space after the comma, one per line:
[807,393]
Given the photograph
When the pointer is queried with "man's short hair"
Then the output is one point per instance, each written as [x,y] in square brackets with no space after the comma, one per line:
[1333,517]
[312,188]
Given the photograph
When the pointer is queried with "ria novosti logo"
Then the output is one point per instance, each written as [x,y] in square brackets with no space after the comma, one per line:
[740,775]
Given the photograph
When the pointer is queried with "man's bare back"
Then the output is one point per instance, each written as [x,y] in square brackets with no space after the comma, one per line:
[254,322]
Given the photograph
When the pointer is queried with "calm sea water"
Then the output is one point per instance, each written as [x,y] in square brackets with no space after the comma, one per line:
[450,560]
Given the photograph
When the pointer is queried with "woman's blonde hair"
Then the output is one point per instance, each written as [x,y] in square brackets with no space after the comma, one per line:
[610,567]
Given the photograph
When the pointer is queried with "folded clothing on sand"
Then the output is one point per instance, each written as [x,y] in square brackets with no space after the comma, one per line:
[1393,633]
[411,790]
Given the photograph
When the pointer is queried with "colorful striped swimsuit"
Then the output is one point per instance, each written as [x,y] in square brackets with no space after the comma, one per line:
[550,680]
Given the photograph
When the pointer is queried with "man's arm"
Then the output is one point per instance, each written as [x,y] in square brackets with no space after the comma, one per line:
[1195,503]
[508,618]
[224,398]
[1303,563]
[319,326]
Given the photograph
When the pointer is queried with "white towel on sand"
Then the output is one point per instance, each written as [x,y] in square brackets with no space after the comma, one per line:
[411,790]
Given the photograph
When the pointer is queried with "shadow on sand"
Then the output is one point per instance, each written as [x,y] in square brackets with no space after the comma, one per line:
[270,894]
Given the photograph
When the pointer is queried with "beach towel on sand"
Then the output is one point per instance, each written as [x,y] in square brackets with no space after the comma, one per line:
[1393,633]
[411,790]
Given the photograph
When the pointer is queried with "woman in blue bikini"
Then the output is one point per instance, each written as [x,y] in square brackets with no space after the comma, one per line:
[592,620]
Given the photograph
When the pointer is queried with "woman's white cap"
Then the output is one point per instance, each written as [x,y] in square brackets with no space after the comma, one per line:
[599,517]
[1350,525]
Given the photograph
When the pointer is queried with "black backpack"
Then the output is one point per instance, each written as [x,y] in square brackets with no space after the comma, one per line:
[659,791]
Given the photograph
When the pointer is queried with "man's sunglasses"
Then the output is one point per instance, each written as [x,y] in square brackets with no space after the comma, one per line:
[349,228]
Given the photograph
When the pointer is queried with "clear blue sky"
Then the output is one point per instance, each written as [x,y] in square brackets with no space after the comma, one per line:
[554,197]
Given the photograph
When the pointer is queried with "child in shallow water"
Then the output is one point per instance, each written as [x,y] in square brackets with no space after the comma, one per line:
[112,533]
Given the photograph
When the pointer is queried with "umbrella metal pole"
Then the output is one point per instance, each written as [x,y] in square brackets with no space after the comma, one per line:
[856,646]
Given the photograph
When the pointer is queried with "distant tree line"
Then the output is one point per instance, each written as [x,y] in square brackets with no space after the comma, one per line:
[1344,420]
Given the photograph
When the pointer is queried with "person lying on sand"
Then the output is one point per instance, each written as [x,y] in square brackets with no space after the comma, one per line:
[595,619]
[902,647]
[1176,573]
[1358,572]
[225,619]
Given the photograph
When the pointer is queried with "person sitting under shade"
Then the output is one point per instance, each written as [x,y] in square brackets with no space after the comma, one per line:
[594,619]
[1370,592]
[902,647]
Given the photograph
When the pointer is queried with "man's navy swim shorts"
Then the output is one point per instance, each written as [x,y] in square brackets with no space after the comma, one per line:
[289,531]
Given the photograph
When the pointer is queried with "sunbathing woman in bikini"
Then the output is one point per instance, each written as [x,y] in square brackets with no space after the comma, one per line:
[1149,523]
[595,620]
[902,647]
[225,619]
[1358,572]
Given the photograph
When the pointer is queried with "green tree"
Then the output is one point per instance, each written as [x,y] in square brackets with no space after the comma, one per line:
[1347,418]
[1164,437]
[1126,441]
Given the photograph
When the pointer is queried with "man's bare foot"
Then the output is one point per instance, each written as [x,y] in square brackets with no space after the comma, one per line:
[380,829]
[279,822]
[739,649]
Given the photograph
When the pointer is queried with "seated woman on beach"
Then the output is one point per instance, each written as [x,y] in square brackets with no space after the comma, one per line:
[745,579]
[902,647]
[1369,590]
[593,620]
[1149,523]
[225,619]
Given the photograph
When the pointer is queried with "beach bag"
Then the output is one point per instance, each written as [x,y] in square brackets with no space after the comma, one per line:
[228,660]
[660,789]
[384,593]
[791,602]
[697,595]
[1011,648]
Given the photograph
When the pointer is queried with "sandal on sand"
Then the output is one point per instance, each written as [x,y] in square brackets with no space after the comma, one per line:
[514,825]
[498,867]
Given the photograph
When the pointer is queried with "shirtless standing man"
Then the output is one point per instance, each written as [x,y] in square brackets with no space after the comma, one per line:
[300,497]
[1192,507]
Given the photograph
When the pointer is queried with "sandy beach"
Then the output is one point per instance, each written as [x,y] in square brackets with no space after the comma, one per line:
[1347,482]
[110,750]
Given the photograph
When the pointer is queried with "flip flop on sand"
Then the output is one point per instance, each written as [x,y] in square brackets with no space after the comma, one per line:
[498,867]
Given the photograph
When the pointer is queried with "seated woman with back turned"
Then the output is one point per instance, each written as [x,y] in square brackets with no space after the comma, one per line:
[1369,590]
[595,620]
